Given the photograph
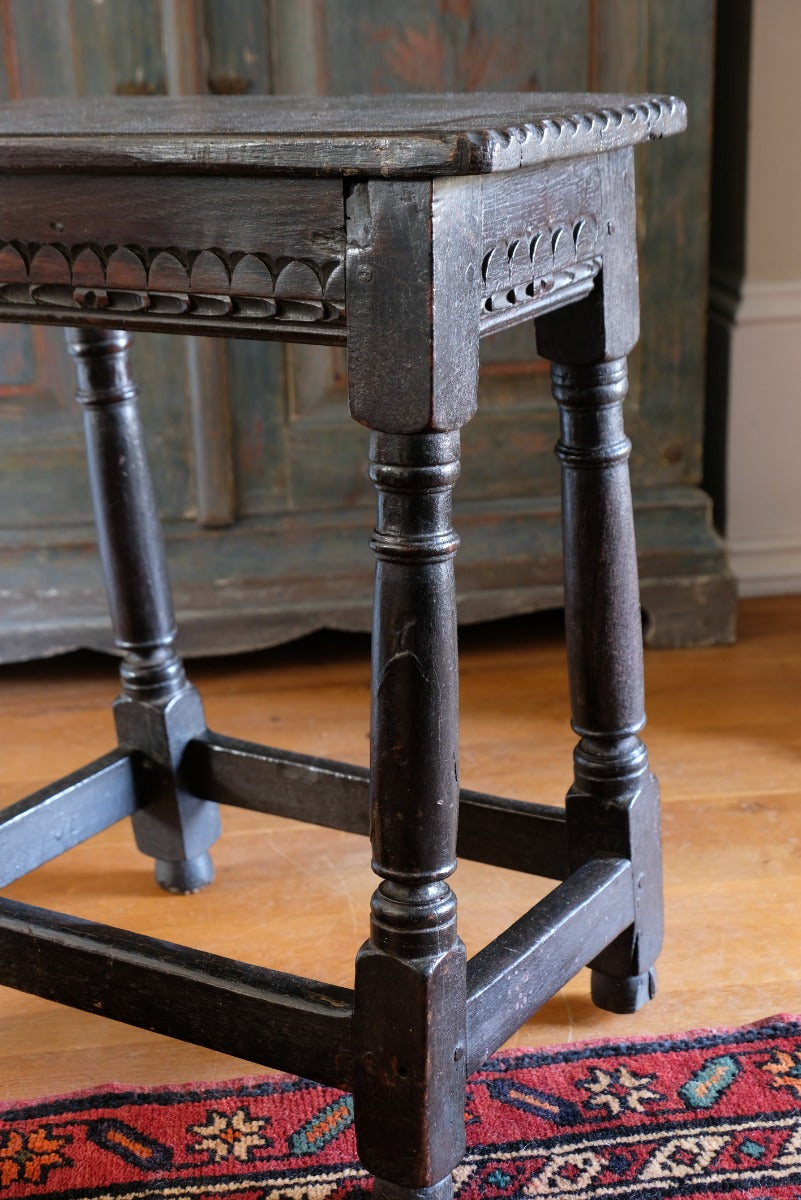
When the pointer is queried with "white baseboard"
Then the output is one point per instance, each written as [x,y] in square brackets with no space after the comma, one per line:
[766,566]
[744,302]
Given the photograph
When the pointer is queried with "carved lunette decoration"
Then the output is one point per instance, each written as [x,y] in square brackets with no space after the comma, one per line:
[538,271]
[204,283]
[527,274]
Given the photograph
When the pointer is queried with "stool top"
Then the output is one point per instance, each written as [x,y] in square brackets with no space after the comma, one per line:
[413,136]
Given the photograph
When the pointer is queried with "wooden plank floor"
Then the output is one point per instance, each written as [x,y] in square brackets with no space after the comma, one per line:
[725,740]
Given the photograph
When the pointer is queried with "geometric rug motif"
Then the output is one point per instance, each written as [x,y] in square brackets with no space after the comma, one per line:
[697,1115]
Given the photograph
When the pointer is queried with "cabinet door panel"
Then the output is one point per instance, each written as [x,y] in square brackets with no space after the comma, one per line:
[457,46]
[120,49]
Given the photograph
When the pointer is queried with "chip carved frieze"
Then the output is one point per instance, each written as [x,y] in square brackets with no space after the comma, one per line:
[526,270]
[517,274]
[172,282]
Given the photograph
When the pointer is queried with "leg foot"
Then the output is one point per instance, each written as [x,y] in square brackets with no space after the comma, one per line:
[623,995]
[184,877]
[384,1190]
[613,805]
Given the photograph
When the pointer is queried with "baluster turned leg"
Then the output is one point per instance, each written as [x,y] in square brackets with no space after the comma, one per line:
[158,710]
[409,1051]
[613,806]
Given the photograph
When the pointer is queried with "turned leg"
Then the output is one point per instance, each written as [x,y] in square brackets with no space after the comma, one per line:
[409,1050]
[158,711]
[613,806]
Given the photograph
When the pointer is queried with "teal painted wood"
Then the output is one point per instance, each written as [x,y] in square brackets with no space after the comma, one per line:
[258,387]
[39,35]
[669,431]
[456,46]
[118,51]
[255,438]
[238,41]
[7,69]
[84,48]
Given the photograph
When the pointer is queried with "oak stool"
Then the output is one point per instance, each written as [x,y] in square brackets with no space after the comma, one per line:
[405,228]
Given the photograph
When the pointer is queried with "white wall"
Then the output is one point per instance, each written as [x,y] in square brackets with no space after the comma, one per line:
[756,302]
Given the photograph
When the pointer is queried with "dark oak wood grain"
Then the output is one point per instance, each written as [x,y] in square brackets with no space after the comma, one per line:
[296,135]
[65,813]
[507,979]
[492,829]
[298,1024]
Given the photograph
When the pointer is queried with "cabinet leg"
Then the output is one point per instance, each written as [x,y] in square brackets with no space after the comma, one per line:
[158,711]
[409,1018]
[613,806]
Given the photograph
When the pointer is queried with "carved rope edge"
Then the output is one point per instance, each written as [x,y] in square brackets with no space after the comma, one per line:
[567,134]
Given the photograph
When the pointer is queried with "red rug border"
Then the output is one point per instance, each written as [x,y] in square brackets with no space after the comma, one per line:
[520,1055]
[707,1114]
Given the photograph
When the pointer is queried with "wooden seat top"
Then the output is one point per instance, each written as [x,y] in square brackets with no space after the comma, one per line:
[415,136]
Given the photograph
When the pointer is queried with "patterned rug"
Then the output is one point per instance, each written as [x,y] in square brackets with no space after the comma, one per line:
[689,1116]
